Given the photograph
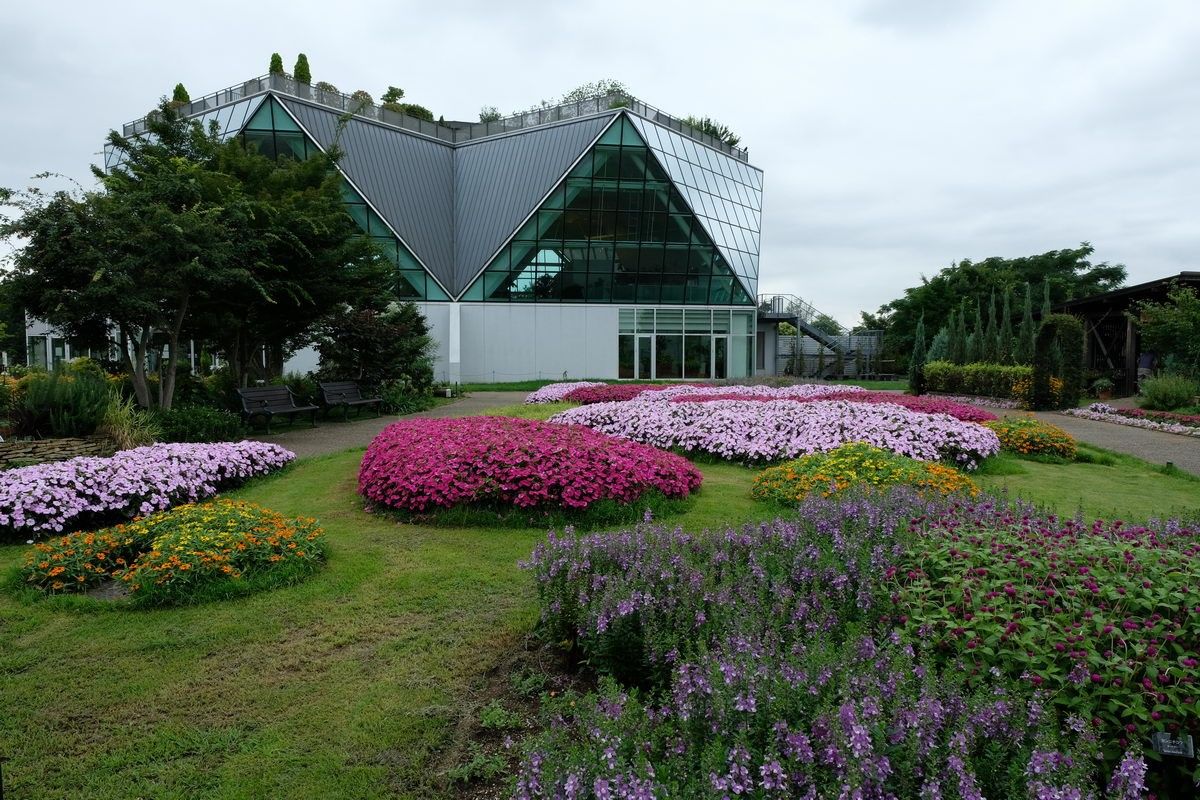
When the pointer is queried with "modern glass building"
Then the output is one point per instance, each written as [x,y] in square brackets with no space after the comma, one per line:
[597,239]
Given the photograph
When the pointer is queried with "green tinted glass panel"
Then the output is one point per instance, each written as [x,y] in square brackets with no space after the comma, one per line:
[614,230]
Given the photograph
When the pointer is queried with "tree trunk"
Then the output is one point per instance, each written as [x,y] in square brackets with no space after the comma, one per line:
[167,384]
[136,365]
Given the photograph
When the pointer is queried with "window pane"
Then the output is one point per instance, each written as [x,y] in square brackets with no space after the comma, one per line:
[721,357]
[668,357]
[645,320]
[698,321]
[672,288]
[669,320]
[625,356]
[697,356]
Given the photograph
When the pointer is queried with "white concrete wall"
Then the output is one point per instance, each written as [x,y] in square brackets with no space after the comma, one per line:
[511,342]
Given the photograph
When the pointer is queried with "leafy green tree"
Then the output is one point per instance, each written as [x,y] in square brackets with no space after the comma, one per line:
[714,129]
[394,94]
[916,364]
[1005,338]
[306,253]
[1172,329]
[1069,274]
[991,333]
[957,349]
[276,67]
[940,346]
[180,95]
[600,88]
[975,338]
[411,109]
[827,324]
[301,72]
[1045,301]
[489,114]
[158,239]
[374,346]
[1027,332]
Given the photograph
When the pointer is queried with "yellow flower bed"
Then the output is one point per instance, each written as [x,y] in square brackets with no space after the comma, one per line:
[1022,391]
[170,556]
[1028,436]
[856,466]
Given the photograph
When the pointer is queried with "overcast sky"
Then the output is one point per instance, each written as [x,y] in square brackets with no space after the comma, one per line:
[896,135]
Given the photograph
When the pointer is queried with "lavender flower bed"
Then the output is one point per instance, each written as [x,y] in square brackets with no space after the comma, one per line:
[1102,412]
[757,431]
[555,392]
[84,492]
[765,667]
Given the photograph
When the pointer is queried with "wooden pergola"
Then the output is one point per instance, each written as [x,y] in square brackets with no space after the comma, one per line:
[1111,339]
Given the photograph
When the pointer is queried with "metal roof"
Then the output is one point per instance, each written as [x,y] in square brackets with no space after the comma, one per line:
[500,182]
[409,179]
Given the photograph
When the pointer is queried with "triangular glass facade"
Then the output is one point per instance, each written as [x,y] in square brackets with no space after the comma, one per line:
[723,191]
[273,131]
[615,230]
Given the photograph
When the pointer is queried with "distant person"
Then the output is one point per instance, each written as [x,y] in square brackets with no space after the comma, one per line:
[1145,366]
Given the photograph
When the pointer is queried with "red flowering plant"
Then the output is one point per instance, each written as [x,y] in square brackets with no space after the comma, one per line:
[501,463]
[613,393]
[1105,618]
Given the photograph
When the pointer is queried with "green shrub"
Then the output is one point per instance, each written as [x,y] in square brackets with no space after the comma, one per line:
[1168,392]
[61,403]
[199,424]
[399,397]
[985,380]
[127,425]
[303,385]
[1058,353]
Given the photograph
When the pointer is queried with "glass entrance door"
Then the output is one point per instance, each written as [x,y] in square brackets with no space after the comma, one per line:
[645,358]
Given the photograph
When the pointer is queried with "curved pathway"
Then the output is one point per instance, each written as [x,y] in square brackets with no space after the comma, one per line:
[332,436]
[1153,446]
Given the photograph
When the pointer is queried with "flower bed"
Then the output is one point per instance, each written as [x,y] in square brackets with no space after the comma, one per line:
[176,556]
[856,467]
[609,393]
[555,392]
[427,464]
[769,665]
[1029,436]
[83,492]
[1138,418]
[976,400]
[1105,618]
[756,432]
[923,404]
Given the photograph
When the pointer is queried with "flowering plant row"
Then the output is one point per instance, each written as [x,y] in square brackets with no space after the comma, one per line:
[555,392]
[609,393]
[1150,420]
[976,400]
[859,467]
[749,431]
[1104,617]
[1029,436]
[426,464]
[68,495]
[924,404]
[170,557]
[770,667]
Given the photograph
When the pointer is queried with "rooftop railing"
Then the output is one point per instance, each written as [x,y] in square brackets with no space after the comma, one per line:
[285,84]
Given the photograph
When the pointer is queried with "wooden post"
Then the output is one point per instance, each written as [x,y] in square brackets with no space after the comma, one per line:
[1131,357]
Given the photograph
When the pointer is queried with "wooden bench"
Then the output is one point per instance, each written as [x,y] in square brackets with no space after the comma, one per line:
[269,402]
[346,395]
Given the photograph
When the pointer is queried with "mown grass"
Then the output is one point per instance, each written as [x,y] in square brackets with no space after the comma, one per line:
[1102,484]
[349,685]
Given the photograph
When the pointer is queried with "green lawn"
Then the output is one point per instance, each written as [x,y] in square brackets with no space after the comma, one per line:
[350,685]
[357,683]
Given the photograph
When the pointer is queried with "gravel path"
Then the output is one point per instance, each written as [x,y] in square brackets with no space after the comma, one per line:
[332,436]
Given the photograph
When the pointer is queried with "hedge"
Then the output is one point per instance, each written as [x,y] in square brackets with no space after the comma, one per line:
[985,380]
